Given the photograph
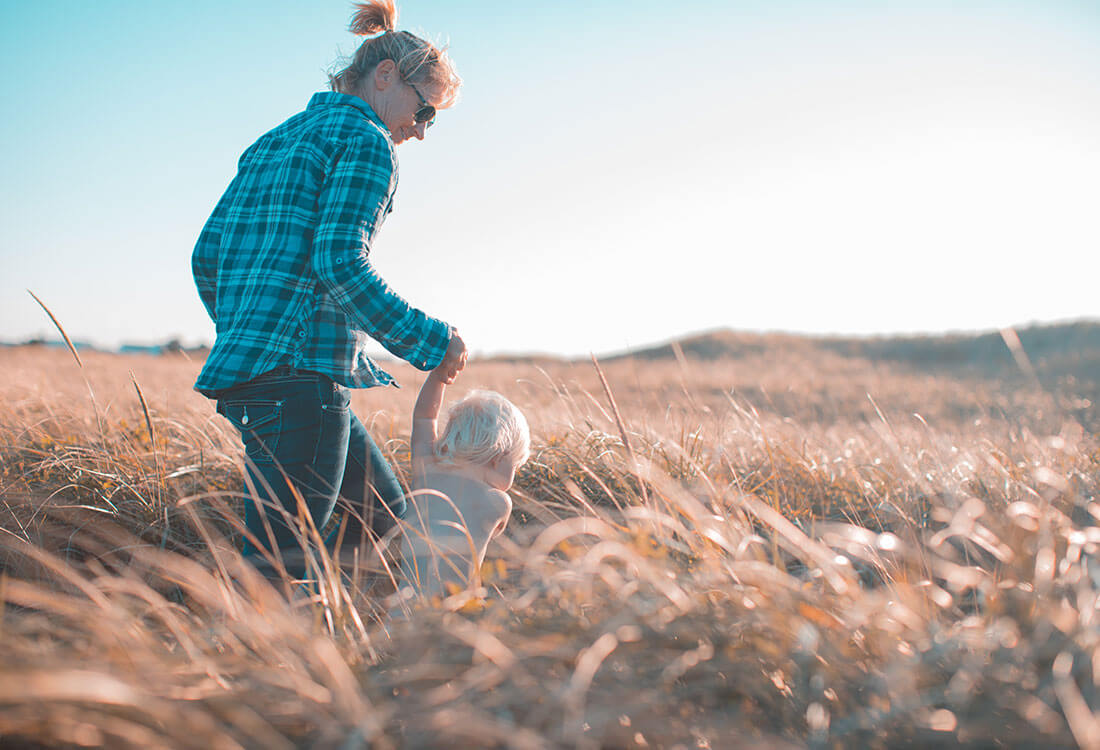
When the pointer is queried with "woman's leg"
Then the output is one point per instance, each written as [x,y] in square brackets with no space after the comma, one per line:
[295,429]
[371,491]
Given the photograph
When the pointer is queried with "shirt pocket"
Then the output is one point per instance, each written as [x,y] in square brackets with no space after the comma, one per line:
[260,422]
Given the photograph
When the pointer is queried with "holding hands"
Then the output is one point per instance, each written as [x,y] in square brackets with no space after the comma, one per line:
[453,361]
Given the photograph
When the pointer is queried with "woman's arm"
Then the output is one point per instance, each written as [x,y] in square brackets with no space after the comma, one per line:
[204,260]
[351,206]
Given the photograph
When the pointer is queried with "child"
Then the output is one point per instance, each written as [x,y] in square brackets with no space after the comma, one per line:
[460,481]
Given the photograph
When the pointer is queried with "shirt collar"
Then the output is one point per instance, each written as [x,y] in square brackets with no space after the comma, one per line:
[331,98]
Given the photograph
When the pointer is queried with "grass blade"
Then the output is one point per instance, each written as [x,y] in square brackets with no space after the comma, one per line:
[57,324]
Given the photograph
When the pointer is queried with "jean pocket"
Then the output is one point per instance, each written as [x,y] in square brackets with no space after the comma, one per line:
[260,422]
[340,403]
[331,450]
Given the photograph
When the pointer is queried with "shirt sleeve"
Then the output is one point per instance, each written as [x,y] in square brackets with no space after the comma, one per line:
[351,206]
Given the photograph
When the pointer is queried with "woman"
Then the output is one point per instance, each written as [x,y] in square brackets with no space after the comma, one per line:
[283,269]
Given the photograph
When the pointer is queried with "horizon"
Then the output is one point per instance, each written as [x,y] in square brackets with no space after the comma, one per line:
[162,347]
[815,168]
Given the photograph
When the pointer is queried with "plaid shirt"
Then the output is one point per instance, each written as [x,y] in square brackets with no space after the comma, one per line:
[282,264]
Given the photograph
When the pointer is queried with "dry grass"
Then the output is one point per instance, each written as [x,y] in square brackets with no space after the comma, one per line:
[789,549]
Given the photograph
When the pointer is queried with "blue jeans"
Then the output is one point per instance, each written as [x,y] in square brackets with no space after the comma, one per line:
[298,430]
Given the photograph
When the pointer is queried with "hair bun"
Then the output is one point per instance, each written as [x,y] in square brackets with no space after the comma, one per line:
[374,17]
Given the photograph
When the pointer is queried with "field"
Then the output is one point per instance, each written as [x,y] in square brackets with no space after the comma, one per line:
[779,545]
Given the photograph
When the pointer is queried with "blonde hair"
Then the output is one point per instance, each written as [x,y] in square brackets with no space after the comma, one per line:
[482,427]
[416,59]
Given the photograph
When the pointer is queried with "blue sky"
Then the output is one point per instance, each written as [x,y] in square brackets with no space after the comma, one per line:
[616,173]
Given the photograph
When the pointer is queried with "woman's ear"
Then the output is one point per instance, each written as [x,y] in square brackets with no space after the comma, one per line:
[385,73]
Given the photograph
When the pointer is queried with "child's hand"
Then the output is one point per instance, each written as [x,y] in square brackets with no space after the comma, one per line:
[453,361]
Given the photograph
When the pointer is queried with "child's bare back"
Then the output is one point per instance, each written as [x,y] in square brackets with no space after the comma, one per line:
[460,482]
[450,521]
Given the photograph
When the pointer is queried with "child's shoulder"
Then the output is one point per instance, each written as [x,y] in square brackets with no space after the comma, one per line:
[439,472]
[445,477]
[500,499]
[425,462]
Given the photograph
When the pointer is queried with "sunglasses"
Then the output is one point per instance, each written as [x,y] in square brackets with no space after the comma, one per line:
[426,113]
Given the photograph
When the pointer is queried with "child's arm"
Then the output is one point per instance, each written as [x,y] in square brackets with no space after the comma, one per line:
[430,399]
[426,413]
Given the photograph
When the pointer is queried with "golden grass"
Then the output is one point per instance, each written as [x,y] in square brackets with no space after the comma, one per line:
[789,549]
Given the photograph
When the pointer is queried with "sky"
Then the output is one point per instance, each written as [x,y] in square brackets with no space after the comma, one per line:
[615,173]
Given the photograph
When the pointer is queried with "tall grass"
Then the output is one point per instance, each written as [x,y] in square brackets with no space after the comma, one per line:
[790,549]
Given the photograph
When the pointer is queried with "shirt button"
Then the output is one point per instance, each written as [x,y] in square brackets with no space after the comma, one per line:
[301,334]
[339,261]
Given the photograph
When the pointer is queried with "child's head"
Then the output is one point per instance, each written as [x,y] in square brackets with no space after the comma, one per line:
[486,429]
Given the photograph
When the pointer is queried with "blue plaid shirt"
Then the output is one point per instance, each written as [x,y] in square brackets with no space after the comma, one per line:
[282,264]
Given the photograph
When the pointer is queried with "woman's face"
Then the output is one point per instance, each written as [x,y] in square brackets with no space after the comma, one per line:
[416,96]
[396,102]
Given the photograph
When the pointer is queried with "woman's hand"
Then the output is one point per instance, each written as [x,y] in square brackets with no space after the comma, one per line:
[454,360]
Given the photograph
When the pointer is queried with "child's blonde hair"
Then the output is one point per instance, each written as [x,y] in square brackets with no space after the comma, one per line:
[481,428]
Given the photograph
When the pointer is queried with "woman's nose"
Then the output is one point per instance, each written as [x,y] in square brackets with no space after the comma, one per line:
[420,129]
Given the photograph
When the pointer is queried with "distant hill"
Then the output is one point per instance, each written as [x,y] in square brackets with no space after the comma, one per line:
[1067,345]
[79,345]
[168,347]
[1055,351]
